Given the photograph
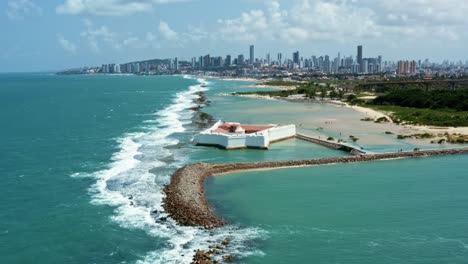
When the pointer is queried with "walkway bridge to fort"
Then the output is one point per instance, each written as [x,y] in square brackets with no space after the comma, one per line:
[330,144]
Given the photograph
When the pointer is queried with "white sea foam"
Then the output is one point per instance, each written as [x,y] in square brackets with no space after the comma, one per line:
[134,181]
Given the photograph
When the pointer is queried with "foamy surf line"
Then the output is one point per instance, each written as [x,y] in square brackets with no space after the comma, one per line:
[134,180]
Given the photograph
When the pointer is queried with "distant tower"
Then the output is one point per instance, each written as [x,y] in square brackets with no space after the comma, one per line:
[296,57]
[194,62]
[365,66]
[338,62]
[252,55]
[280,59]
[240,60]
[326,65]
[176,64]
[359,57]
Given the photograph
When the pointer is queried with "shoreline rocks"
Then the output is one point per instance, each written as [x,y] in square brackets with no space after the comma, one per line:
[185,197]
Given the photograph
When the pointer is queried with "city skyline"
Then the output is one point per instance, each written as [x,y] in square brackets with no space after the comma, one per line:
[63,34]
[357,65]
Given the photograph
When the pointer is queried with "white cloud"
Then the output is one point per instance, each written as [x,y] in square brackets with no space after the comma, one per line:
[67,45]
[247,27]
[102,7]
[108,7]
[129,42]
[150,37]
[96,35]
[166,32]
[102,38]
[195,34]
[19,9]
[169,1]
[434,12]
[347,20]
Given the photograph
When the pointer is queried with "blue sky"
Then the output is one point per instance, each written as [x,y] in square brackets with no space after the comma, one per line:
[60,34]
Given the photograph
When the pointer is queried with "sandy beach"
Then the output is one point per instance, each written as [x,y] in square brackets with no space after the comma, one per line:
[261,86]
[371,113]
[342,123]
[228,78]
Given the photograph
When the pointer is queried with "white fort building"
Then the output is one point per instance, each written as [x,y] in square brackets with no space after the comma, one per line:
[236,136]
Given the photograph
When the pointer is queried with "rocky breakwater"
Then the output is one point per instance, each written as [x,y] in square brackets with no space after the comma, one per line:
[201,119]
[185,196]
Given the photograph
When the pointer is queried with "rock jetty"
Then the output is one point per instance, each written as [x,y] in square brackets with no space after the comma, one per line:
[185,198]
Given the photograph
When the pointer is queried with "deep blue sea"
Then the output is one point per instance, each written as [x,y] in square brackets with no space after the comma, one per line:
[84,159]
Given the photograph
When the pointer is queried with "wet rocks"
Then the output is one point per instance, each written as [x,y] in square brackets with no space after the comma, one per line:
[204,257]
[226,242]
[185,198]
[196,108]
[202,98]
[228,258]
[203,120]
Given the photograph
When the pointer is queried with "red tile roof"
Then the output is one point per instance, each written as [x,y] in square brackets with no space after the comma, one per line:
[227,128]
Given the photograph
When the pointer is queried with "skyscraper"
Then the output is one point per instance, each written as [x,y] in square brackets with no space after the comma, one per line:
[176,64]
[194,62]
[280,59]
[359,57]
[337,63]
[296,57]
[252,55]
[228,62]
[365,66]
[326,65]
[406,67]
[240,59]
[206,60]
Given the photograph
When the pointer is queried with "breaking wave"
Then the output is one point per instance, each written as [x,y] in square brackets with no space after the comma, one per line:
[134,180]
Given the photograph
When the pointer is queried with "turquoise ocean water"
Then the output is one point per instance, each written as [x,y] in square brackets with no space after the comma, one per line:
[84,159]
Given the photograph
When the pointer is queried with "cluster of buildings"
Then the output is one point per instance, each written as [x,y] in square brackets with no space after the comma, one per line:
[406,67]
[280,65]
[320,64]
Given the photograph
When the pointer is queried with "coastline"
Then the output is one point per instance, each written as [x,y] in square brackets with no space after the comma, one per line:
[227,78]
[422,128]
[258,85]
[367,112]
[263,86]
[185,200]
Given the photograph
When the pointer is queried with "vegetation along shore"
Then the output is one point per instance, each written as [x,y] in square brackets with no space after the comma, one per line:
[439,111]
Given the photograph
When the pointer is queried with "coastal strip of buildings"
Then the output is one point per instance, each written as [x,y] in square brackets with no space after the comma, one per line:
[283,66]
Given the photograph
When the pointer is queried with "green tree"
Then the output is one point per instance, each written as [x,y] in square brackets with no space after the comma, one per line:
[341,94]
[333,94]
[311,93]
[323,93]
[351,97]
